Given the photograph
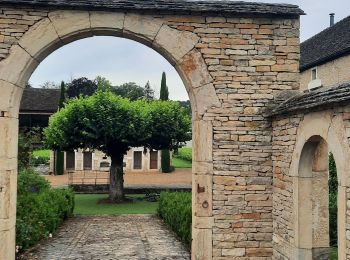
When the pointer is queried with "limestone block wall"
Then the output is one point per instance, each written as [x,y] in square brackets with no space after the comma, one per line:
[232,67]
[291,188]
[330,73]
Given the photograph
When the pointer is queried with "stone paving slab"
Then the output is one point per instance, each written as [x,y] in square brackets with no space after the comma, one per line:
[124,237]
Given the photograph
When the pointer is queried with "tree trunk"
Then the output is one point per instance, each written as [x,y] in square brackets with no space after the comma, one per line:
[116,186]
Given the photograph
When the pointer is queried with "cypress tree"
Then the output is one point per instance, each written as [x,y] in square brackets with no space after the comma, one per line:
[165,154]
[164,92]
[59,166]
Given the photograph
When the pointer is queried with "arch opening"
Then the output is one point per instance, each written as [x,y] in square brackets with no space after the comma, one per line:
[318,200]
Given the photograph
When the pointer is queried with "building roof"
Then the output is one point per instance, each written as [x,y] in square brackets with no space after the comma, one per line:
[323,97]
[38,100]
[328,45]
[221,8]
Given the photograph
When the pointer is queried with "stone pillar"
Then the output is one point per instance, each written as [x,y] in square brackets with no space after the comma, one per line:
[8,184]
[202,186]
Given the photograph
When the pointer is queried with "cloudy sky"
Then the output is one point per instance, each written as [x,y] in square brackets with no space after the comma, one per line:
[121,60]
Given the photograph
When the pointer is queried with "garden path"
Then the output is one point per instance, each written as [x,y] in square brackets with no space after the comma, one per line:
[123,237]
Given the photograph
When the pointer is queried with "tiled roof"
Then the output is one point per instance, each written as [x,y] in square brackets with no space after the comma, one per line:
[328,45]
[323,97]
[40,100]
[224,8]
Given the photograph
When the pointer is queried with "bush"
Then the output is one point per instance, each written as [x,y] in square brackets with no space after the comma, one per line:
[176,210]
[184,153]
[40,209]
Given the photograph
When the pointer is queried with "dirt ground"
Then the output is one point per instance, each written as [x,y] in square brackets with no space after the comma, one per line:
[179,176]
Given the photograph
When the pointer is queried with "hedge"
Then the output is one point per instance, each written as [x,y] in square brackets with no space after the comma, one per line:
[40,209]
[184,153]
[175,208]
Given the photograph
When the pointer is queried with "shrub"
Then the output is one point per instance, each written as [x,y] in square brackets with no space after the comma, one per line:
[40,209]
[184,153]
[175,209]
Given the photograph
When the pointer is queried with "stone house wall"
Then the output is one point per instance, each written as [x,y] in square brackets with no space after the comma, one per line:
[330,73]
[98,157]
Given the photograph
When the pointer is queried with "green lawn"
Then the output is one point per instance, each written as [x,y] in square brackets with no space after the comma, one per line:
[334,254]
[42,153]
[86,204]
[180,163]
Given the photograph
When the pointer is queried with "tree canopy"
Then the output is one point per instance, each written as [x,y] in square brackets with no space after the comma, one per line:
[81,86]
[113,125]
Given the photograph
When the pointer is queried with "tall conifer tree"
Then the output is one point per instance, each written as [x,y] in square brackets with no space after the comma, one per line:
[165,154]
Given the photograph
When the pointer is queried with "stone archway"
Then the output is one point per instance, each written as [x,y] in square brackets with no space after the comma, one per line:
[233,58]
[55,31]
[314,135]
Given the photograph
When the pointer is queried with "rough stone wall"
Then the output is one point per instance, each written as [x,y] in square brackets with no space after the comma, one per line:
[13,24]
[330,73]
[247,62]
[284,140]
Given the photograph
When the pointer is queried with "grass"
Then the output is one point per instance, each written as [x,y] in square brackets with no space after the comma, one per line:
[180,163]
[42,153]
[87,204]
[333,254]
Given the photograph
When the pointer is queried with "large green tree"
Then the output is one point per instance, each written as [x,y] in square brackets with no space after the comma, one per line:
[81,86]
[113,125]
[130,90]
[165,153]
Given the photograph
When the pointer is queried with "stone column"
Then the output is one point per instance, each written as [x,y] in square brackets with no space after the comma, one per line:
[202,185]
[8,184]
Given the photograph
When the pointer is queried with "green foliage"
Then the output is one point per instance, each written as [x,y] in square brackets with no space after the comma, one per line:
[184,153]
[81,86]
[31,182]
[113,125]
[26,139]
[40,209]
[178,163]
[333,207]
[176,210]
[168,124]
[164,91]
[103,121]
[130,90]
[103,83]
[87,204]
[24,150]
[165,161]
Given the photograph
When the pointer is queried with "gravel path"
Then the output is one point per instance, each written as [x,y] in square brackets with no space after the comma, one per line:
[125,237]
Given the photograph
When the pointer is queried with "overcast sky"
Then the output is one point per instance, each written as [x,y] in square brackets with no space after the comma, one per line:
[121,60]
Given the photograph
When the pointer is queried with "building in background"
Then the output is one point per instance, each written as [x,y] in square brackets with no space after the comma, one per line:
[325,58]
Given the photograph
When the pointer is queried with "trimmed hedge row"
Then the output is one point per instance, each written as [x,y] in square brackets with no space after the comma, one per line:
[40,209]
[175,208]
[184,153]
